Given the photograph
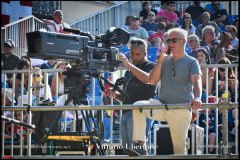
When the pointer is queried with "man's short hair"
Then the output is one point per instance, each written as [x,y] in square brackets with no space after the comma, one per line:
[208,27]
[183,33]
[193,37]
[161,26]
[139,43]
[205,13]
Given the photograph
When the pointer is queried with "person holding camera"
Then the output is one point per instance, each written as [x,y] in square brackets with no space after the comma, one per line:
[135,88]
[180,77]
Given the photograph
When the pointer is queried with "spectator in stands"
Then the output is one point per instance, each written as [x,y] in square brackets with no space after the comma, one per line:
[193,44]
[9,100]
[168,15]
[187,24]
[149,23]
[57,24]
[233,31]
[23,65]
[203,58]
[210,9]
[146,9]
[206,21]
[172,70]
[49,65]
[222,77]
[10,60]
[157,38]
[163,6]
[127,22]
[195,11]
[136,30]
[135,87]
[39,86]
[210,42]
[225,49]
[4,84]
[17,115]
[58,65]
[220,16]
[236,24]
[24,56]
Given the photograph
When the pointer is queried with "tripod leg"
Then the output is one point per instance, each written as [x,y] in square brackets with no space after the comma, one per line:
[53,124]
[98,142]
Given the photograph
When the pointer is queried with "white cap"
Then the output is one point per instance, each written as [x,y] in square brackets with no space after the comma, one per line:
[9,94]
[25,100]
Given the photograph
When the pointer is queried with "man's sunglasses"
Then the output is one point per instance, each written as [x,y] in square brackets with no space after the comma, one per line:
[137,42]
[173,40]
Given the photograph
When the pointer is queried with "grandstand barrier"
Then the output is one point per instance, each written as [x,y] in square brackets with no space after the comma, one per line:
[223,153]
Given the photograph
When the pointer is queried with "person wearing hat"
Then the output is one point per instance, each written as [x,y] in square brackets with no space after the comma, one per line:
[10,60]
[136,30]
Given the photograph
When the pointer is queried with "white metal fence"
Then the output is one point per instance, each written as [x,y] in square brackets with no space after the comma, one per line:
[224,142]
[17,32]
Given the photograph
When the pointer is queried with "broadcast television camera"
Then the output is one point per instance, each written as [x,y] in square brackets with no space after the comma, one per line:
[100,54]
[87,57]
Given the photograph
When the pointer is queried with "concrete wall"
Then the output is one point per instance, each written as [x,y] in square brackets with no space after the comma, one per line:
[75,10]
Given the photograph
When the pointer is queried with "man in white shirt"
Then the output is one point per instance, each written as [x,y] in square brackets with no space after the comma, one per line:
[57,24]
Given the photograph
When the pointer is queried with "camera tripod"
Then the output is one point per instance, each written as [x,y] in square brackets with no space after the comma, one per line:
[86,115]
[76,87]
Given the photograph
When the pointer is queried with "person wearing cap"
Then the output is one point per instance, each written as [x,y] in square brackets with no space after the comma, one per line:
[135,88]
[10,60]
[136,30]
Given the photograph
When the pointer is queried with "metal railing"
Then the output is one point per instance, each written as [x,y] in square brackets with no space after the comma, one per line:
[114,16]
[17,32]
[217,105]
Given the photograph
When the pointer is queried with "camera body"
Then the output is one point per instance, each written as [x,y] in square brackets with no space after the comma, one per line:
[100,54]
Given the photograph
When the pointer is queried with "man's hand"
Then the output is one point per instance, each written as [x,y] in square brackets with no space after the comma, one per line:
[125,60]
[196,103]
[111,93]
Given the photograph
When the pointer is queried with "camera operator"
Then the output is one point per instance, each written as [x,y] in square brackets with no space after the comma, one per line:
[135,87]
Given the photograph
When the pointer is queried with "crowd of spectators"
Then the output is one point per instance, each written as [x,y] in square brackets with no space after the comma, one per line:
[212,39]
